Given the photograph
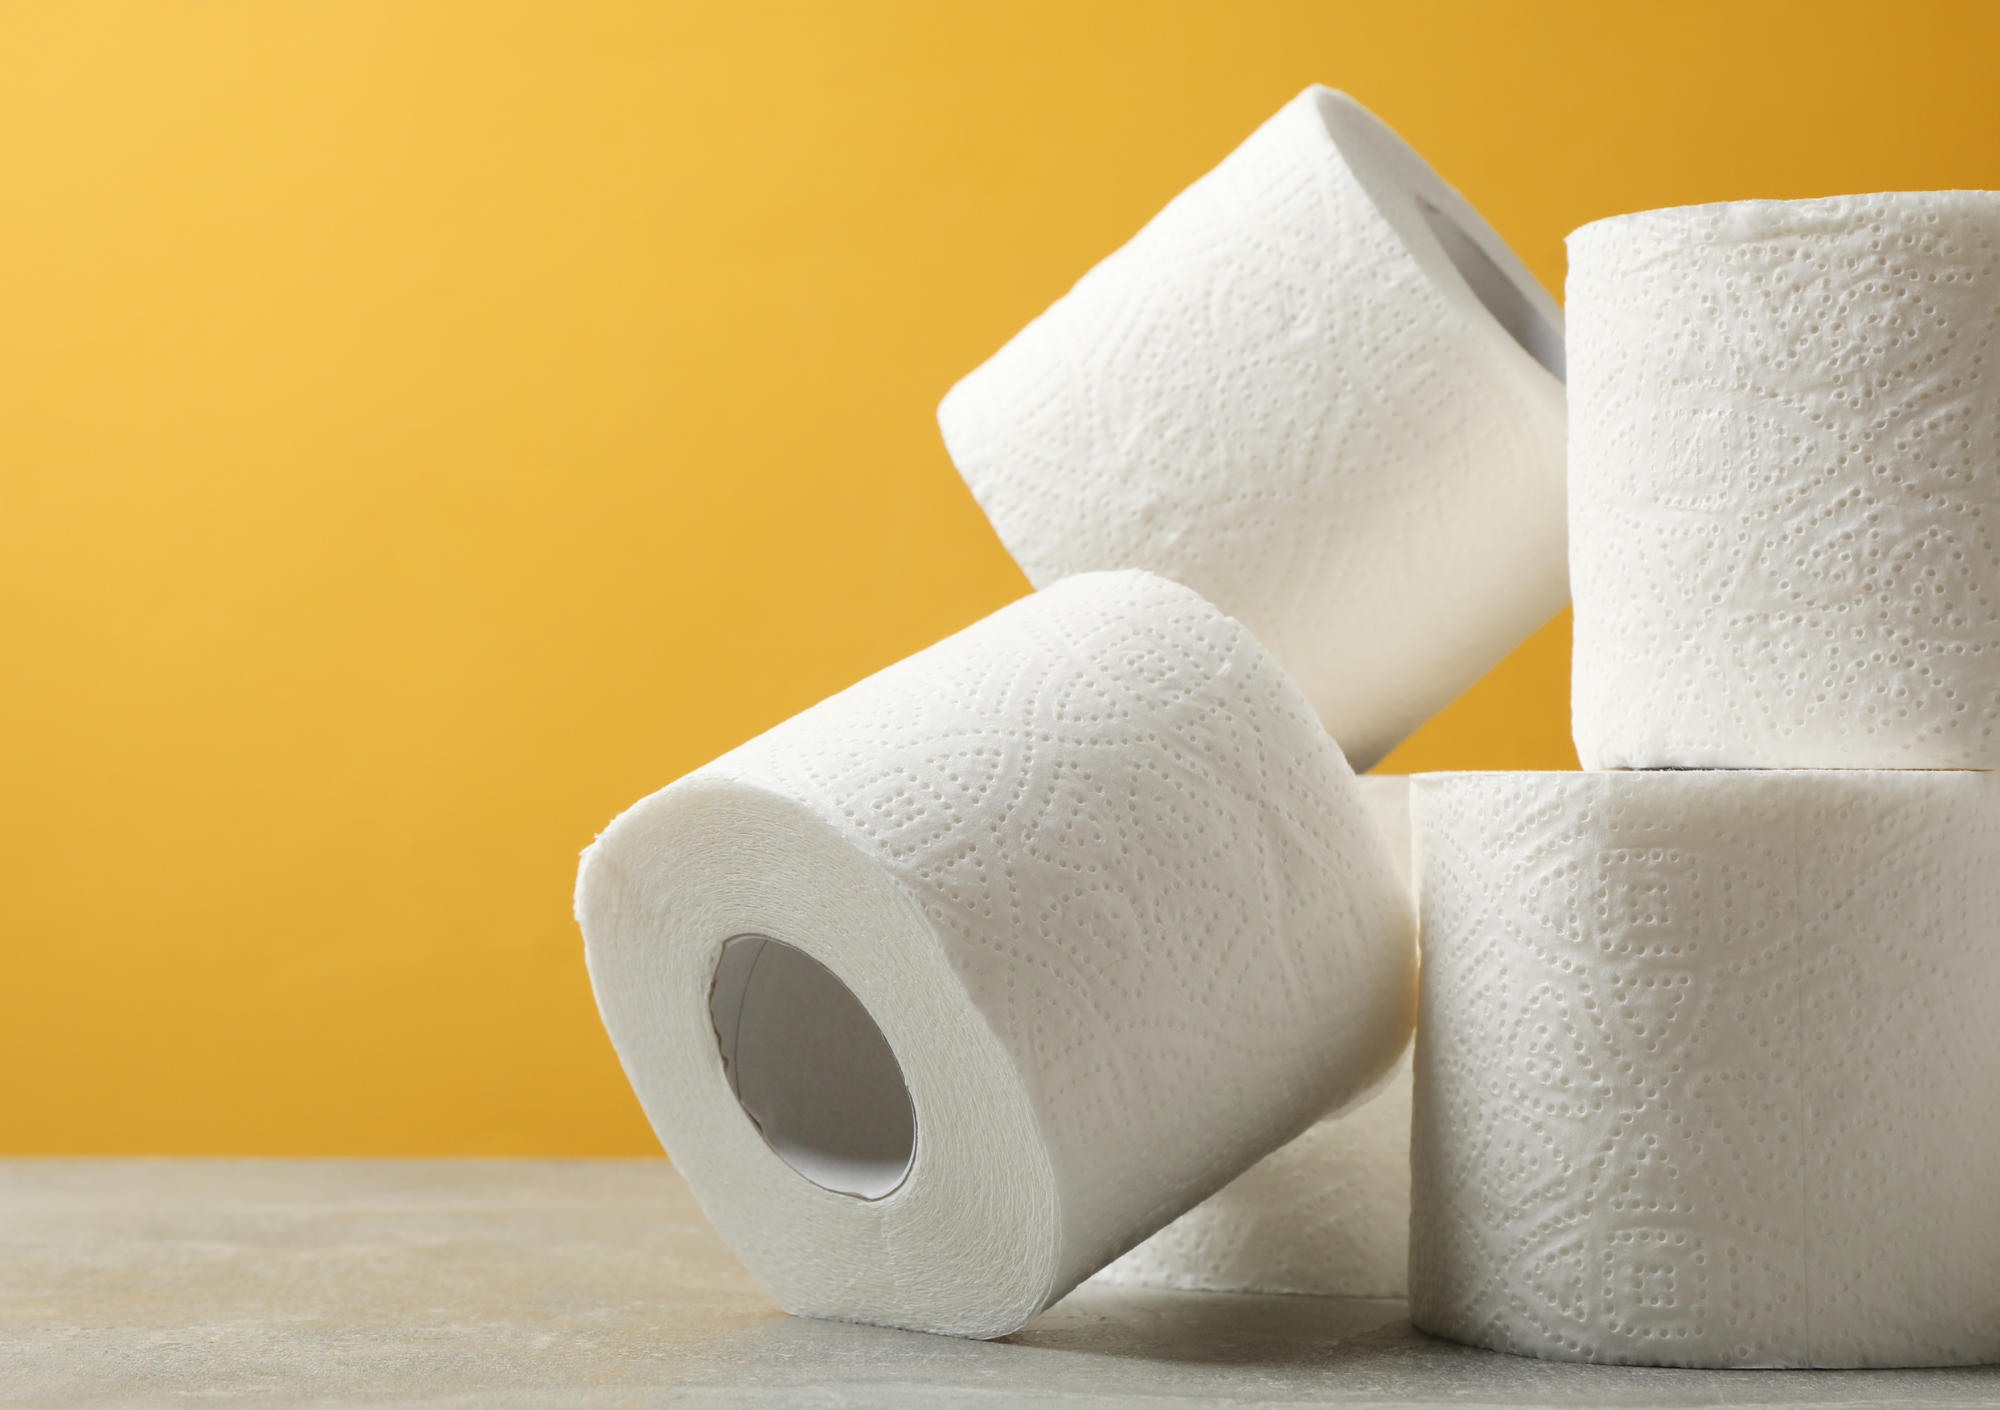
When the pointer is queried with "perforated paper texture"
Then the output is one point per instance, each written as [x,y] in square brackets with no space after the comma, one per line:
[1286,393]
[1327,1215]
[1704,1072]
[1785,484]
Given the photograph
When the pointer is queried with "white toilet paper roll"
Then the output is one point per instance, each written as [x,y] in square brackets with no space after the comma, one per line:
[1705,1067]
[1327,1215]
[1075,916]
[1318,389]
[1784,516]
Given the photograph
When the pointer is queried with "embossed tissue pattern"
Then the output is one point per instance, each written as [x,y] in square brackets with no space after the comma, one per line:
[1705,1067]
[1264,397]
[1785,484]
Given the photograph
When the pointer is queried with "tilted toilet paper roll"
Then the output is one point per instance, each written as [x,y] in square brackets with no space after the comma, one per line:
[1784,511]
[1327,1215]
[1705,1067]
[1074,916]
[1318,389]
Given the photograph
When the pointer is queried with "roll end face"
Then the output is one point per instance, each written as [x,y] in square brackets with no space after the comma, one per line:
[962,1241]
[1452,243]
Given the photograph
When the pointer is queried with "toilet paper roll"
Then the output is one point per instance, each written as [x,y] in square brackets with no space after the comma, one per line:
[1327,1215]
[1075,916]
[1705,1067]
[1318,389]
[1784,516]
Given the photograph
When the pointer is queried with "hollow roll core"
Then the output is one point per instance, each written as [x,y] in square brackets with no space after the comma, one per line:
[811,1068]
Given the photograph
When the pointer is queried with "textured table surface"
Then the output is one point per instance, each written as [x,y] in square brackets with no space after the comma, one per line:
[529,1283]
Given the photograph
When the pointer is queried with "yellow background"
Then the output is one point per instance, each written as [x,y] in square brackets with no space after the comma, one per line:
[425,428]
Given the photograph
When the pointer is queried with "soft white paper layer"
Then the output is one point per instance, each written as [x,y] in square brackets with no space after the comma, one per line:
[1706,1066]
[1318,389]
[1327,1215]
[1785,484]
[1108,890]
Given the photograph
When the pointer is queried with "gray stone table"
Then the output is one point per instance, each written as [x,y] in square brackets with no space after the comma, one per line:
[531,1283]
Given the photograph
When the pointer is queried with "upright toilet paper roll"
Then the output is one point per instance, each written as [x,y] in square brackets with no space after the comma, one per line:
[1327,1215]
[1318,389]
[1784,516]
[1705,1067]
[1075,915]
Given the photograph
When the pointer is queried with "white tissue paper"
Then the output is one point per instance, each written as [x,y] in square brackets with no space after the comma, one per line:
[1784,511]
[1706,1064]
[953,988]
[1327,1215]
[1318,389]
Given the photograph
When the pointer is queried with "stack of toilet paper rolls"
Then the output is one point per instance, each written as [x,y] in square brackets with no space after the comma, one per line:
[1072,946]
[956,988]
[1705,1066]
[1319,388]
